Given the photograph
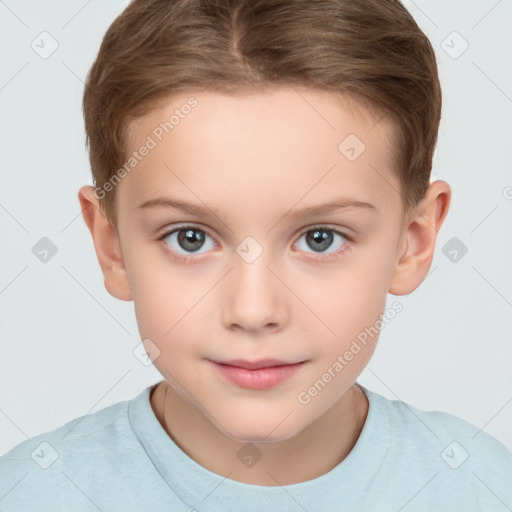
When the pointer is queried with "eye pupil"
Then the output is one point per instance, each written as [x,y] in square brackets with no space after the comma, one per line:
[189,237]
[192,239]
[321,239]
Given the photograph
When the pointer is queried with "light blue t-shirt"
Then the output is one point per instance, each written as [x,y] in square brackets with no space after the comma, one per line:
[121,459]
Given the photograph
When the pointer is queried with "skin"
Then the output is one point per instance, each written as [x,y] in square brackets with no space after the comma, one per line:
[254,160]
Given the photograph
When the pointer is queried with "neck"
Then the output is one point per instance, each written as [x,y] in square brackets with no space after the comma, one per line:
[314,451]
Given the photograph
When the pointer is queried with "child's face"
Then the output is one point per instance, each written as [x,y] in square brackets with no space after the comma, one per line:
[254,163]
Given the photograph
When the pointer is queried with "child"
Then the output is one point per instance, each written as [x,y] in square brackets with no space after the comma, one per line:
[262,181]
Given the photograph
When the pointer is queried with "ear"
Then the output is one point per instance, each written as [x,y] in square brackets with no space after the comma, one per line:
[419,238]
[106,244]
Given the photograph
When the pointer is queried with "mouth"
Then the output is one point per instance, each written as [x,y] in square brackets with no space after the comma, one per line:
[255,365]
[262,374]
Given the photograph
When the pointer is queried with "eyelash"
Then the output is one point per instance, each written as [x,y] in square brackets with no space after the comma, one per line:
[320,257]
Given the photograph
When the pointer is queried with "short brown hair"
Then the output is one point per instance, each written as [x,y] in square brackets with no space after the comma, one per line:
[370,48]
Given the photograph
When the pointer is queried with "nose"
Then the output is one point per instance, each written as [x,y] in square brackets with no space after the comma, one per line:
[254,298]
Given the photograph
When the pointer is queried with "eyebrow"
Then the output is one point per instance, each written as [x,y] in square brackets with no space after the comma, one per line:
[193,209]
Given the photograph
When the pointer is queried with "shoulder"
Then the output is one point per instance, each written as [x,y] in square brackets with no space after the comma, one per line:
[436,428]
[453,455]
[76,432]
[42,470]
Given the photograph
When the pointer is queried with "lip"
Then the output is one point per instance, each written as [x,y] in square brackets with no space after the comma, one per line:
[266,374]
[255,365]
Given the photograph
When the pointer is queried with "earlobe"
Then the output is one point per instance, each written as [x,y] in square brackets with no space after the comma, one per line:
[416,251]
[106,244]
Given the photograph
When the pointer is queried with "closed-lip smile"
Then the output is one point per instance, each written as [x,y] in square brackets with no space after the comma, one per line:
[256,365]
[258,375]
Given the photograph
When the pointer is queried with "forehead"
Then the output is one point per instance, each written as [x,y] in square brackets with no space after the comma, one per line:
[289,145]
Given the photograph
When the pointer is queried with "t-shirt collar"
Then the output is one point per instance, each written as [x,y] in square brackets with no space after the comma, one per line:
[205,490]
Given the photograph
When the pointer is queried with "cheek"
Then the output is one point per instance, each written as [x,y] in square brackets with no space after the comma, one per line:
[169,311]
[170,317]
[168,299]
[157,281]
[350,301]
[349,298]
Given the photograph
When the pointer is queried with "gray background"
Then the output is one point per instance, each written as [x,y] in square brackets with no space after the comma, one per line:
[67,345]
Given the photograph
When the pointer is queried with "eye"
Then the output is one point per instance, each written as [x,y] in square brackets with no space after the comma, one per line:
[321,238]
[192,240]
[187,238]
